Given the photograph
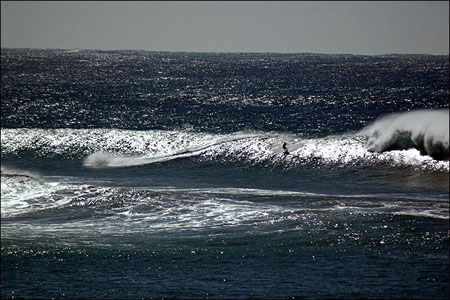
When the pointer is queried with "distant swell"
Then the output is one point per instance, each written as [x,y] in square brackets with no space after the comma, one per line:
[424,130]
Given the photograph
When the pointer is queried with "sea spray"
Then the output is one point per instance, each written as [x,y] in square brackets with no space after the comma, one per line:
[425,130]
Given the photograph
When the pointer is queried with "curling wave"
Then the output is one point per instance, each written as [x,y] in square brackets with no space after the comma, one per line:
[424,130]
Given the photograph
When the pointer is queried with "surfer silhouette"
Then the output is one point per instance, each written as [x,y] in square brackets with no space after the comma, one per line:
[286,151]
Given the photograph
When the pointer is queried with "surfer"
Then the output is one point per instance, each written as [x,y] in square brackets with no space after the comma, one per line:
[286,152]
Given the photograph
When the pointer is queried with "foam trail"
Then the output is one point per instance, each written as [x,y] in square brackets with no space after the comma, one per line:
[425,130]
[104,160]
[108,160]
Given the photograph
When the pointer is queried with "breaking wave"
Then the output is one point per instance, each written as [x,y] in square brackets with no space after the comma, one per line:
[112,148]
[424,130]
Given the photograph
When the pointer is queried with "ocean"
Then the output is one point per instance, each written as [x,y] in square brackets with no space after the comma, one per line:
[139,174]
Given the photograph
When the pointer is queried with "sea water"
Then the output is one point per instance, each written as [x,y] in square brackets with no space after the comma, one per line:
[135,174]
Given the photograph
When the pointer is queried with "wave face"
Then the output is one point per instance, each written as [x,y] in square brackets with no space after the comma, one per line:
[425,130]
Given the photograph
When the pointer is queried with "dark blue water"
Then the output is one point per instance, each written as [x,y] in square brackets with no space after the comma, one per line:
[134,174]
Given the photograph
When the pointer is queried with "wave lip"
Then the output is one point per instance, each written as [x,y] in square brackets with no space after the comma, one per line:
[424,130]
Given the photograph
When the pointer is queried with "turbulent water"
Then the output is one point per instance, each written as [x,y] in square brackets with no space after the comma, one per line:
[134,174]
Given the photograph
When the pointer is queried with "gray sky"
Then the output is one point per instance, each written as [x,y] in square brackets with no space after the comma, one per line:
[319,27]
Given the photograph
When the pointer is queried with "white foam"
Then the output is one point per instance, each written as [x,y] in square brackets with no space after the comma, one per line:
[20,194]
[202,212]
[429,128]
[23,191]
[290,193]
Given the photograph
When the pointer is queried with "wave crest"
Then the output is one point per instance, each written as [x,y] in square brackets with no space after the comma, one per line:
[424,130]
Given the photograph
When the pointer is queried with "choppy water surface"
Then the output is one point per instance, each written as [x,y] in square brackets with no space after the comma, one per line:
[133,174]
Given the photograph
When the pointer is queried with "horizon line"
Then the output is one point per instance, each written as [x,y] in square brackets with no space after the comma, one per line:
[225,52]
